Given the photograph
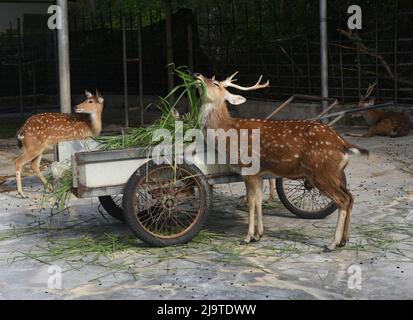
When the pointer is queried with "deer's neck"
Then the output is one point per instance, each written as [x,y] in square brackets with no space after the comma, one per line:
[215,116]
[96,123]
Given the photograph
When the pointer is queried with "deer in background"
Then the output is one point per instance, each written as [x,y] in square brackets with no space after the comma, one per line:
[381,123]
[293,149]
[47,129]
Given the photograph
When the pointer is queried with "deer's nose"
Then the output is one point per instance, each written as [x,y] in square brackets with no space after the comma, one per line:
[196,75]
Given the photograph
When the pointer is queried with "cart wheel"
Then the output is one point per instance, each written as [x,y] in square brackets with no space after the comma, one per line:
[113,206]
[165,204]
[304,200]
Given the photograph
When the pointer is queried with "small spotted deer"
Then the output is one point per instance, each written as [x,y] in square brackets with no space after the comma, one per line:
[46,129]
[292,149]
[382,123]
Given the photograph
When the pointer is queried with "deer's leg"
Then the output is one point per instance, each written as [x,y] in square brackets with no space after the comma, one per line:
[36,168]
[20,162]
[258,208]
[250,185]
[347,225]
[332,187]
[343,199]
[272,190]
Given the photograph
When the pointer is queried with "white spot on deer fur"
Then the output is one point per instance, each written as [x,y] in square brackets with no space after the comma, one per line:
[296,156]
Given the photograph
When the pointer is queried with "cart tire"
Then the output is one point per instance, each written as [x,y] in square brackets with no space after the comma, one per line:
[112,206]
[168,203]
[325,208]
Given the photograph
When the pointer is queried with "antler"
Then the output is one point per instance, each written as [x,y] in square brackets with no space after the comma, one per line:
[230,79]
[370,89]
[229,82]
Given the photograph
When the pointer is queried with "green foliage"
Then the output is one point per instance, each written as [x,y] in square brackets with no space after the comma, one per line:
[142,136]
[60,189]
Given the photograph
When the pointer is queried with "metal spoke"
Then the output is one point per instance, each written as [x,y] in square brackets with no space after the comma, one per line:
[168,207]
[304,196]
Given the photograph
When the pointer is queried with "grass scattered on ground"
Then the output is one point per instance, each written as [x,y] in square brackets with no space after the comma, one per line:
[119,253]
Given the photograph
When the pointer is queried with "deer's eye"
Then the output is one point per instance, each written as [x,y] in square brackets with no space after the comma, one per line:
[216,84]
[90,101]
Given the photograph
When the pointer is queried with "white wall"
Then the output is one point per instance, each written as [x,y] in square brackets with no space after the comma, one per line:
[12,11]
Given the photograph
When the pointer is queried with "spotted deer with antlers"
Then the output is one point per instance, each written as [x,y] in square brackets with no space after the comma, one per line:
[380,122]
[47,129]
[291,149]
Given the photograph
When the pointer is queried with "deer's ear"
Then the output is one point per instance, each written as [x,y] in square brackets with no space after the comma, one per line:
[99,96]
[88,94]
[235,99]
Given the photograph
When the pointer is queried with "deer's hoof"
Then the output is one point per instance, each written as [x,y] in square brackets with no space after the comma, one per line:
[244,242]
[242,202]
[22,195]
[329,248]
[255,238]
[343,243]
[258,236]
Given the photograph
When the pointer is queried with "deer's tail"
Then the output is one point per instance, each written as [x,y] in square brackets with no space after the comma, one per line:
[352,149]
[19,138]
